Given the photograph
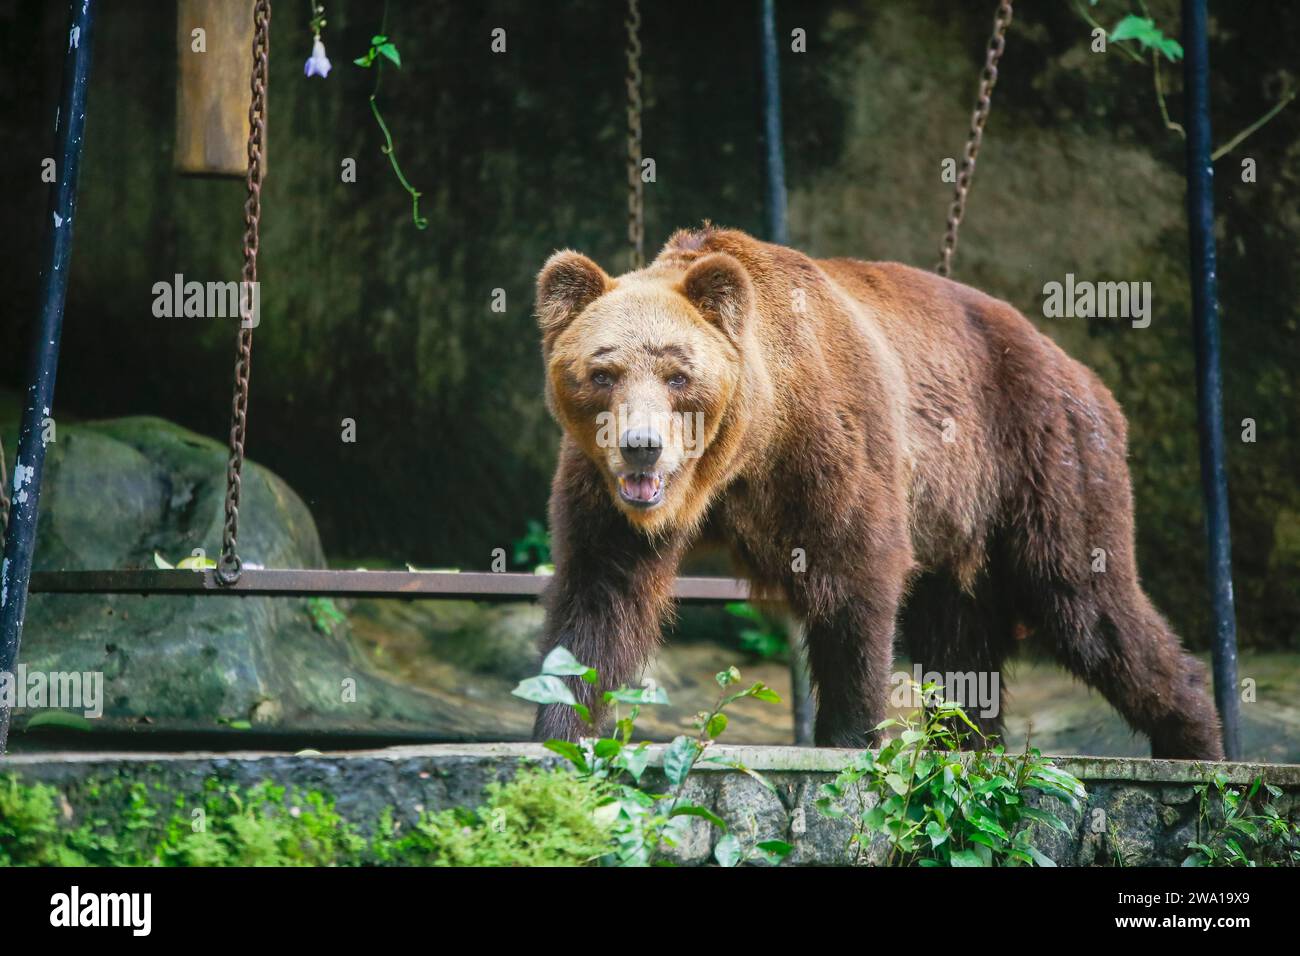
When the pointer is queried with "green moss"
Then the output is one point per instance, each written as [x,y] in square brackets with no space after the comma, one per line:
[540,817]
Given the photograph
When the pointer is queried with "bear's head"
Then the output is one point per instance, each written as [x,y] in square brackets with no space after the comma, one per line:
[642,371]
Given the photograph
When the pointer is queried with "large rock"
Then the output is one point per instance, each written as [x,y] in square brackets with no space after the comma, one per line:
[114,493]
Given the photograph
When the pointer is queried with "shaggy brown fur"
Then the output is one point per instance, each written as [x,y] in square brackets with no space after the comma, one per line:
[940,462]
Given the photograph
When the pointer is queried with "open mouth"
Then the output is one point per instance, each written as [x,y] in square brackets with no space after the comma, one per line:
[641,489]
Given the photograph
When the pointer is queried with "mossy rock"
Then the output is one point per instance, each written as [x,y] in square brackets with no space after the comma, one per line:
[117,492]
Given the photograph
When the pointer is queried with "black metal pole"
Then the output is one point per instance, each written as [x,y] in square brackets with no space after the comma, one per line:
[29,462]
[777,229]
[801,700]
[1209,379]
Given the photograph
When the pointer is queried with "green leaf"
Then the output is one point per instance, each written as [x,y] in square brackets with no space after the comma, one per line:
[691,810]
[777,848]
[635,760]
[828,808]
[730,676]
[896,783]
[64,719]
[745,611]
[545,690]
[162,563]
[607,747]
[717,724]
[678,759]
[728,851]
[936,833]
[965,858]
[637,695]
[1148,36]
[390,51]
[561,663]
[569,751]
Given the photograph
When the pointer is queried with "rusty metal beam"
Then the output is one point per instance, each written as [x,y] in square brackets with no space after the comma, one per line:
[468,585]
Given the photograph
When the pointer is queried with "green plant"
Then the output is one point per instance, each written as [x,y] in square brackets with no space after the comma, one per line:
[265,825]
[936,806]
[761,638]
[534,547]
[324,614]
[29,827]
[540,818]
[1150,38]
[642,824]
[1234,827]
[383,48]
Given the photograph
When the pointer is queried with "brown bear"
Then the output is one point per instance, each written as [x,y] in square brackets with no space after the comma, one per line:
[880,447]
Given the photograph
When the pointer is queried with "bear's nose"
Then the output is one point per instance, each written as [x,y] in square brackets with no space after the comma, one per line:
[641,447]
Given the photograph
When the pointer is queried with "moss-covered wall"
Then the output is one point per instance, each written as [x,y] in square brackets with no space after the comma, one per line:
[518,154]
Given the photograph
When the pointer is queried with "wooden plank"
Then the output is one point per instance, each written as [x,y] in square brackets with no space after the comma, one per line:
[468,585]
[212,87]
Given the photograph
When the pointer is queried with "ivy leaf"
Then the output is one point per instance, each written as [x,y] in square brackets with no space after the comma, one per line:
[390,51]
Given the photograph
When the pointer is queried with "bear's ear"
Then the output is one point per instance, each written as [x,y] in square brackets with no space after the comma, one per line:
[719,287]
[567,284]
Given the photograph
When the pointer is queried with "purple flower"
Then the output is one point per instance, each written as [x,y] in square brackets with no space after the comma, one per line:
[318,64]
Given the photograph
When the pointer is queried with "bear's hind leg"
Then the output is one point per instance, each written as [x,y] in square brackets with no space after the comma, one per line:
[1116,642]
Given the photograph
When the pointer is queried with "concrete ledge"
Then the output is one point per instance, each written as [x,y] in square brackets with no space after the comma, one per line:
[1141,811]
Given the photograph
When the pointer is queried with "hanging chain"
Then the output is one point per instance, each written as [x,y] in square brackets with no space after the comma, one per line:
[229,566]
[4,496]
[988,79]
[635,187]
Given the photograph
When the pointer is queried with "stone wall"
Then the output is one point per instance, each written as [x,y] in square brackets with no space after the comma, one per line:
[1149,805]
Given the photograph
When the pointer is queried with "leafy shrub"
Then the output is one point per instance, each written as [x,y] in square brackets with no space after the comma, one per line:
[643,824]
[540,818]
[1234,827]
[937,807]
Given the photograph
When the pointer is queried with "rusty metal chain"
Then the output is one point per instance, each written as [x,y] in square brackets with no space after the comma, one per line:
[635,187]
[4,496]
[229,566]
[988,79]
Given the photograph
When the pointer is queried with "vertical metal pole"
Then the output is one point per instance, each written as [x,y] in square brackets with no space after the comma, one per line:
[777,229]
[1209,380]
[20,541]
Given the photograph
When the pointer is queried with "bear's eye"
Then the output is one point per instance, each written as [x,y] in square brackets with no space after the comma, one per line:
[677,381]
[602,379]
